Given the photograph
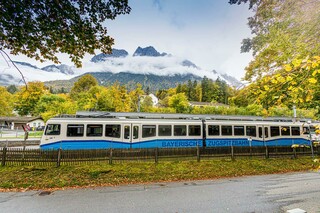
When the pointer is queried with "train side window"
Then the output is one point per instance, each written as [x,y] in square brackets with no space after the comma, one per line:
[260,132]
[135,132]
[295,130]
[75,130]
[113,131]
[251,131]
[226,130]
[148,131]
[180,130]
[307,130]
[164,130]
[94,130]
[53,129]
[285,130]
[274,131]
[266,134]
[213,130]
[312,129]
[194,130]
[238,130]
[126,132]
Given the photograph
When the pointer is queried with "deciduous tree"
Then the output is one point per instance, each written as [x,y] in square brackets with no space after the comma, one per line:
[51,105]
[296,83]
[179,102]
[27,98]
[283,30]
[6,102]
[41,29]
[135,97]
[146,104]
[83,84]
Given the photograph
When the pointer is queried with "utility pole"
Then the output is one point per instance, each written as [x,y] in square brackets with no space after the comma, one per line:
[138,103]
[310,138]
[294,113]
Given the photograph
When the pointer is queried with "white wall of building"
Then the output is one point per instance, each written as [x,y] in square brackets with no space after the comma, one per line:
[36,123]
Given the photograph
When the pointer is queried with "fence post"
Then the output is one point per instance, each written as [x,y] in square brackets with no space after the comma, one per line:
[4,155]
[232,153]
[156,155]
[198,153]
[59,157]
[294,152]
[26,135]
[110,157]
[267,153]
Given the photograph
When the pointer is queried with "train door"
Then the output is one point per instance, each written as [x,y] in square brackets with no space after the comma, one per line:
[263,133]
[131,133]
[135,133]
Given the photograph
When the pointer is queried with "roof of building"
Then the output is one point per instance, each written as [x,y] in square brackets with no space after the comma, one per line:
[23,119]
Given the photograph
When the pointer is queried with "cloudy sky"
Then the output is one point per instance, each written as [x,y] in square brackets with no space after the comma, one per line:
[206,32]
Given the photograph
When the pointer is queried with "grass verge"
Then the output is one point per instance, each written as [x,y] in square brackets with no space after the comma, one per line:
[39,177]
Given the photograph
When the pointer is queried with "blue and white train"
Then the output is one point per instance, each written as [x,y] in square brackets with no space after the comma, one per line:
[121,132]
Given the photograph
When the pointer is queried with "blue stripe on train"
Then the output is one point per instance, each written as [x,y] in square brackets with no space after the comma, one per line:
[165,143]
[86,144]
[246,142]
[173,143]
[103,144]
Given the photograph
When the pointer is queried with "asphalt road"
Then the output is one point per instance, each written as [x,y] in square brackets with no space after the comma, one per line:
[268,193]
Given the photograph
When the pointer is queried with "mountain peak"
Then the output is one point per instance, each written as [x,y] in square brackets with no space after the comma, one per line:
[65,69]
[187,63]
[148,51]
[116,53]
[25,64]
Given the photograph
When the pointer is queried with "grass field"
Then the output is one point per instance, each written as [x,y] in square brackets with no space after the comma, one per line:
[37,177]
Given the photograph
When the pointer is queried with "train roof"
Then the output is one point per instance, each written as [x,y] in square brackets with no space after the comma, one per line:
[172,116]
[91,120]
[122,121]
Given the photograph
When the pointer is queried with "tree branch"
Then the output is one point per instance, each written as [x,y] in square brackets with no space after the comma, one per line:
[22,76]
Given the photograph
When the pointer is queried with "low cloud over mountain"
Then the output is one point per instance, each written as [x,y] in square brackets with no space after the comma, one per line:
[143,61]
